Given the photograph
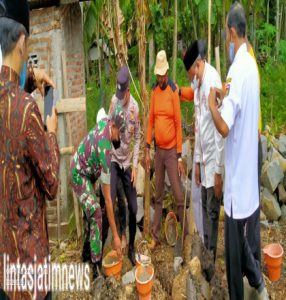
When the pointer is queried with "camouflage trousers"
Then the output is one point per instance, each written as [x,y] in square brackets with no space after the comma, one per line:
[92,215]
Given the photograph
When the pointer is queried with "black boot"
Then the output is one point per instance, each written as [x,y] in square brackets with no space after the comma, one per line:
[131,254]
[86,256]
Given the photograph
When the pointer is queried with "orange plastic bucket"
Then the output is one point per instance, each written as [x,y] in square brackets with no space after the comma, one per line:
[112,266]
[273,254]
[144,276]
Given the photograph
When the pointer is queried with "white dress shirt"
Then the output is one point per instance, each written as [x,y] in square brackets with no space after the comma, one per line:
[209,143]
[240,112]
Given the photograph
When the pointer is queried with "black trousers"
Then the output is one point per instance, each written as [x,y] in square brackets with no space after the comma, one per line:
[121,210]
[211,210]
[118,174]
[239,257]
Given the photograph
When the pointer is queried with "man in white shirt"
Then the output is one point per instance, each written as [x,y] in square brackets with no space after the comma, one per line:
[209,143]
[238,123]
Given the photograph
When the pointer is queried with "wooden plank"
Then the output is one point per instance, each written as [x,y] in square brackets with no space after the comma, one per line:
[66,105]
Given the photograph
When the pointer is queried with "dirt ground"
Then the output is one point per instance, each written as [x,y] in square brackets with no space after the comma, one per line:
[166,283]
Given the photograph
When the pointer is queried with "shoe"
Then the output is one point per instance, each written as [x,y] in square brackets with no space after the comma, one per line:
[86,256]
[152,245]
[131,255]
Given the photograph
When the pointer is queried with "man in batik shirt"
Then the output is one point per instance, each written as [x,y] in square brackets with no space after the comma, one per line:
[29,158]
[91,162]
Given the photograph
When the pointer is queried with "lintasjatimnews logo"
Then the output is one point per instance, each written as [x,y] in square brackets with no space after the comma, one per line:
[43,277]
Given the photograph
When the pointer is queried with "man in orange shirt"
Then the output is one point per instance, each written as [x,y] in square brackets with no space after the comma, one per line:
[165,119]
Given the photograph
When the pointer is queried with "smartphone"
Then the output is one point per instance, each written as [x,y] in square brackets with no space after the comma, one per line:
[48,103]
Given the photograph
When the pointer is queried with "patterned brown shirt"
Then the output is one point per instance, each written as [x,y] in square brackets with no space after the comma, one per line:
[29,166]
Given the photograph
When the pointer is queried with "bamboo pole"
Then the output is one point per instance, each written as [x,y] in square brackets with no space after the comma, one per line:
[175,40]
[217,60]
[141,37]
[209,32]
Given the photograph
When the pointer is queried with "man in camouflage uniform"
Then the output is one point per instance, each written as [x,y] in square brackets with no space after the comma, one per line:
[92,161]
[121,167]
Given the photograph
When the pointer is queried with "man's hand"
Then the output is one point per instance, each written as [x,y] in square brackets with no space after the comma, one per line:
[147,159]
[42,79]
[218,186]
[117,246]
[213,104]
[134,176]
[198,174]
[181,169]
[52,122]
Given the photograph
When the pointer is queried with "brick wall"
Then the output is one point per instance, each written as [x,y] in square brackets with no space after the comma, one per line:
[56,31]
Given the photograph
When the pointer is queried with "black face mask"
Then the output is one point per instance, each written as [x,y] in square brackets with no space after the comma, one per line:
[163,86]
[116,144]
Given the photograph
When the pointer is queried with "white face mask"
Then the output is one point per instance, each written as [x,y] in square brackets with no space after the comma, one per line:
[195,83]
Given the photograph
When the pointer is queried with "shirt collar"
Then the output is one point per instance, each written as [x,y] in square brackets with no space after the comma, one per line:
[242,49]
[8,74]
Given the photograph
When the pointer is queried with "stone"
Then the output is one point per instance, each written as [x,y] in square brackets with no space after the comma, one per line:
[140,181]
[250,293]
[264,224]
[272,175]
[195,267]
[140,209]
[129,277]
[262,216]
[284,182]
[270,206]
[282,148]
[274,154]
[283,212]
[264,147]
[281,193]
[282,139]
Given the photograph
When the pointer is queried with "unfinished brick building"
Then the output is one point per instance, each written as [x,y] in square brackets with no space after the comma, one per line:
[56,44]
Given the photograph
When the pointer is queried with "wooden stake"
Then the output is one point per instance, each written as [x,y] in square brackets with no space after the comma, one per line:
[217,60]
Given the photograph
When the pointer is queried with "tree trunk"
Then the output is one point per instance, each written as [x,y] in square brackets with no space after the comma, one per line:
[175,39]
[267,14]
[209,31]
[254,29]
[194,21]
[223,42]
[151,55]
[141,37]
[277,27]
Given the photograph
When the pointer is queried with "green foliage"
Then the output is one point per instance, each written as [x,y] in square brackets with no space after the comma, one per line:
[273,95]
[156,25]
[282,51]
[266,39]
[185,20]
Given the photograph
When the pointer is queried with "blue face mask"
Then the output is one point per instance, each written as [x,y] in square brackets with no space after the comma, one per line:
[231,52]
[23,75]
